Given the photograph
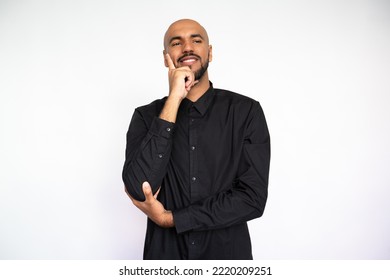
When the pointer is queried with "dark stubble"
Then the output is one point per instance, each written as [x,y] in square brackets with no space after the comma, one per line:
[203,68]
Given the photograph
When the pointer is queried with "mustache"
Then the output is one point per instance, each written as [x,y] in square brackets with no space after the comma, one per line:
[188,54]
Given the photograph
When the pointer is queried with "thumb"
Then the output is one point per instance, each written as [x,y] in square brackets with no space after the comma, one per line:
[147,189]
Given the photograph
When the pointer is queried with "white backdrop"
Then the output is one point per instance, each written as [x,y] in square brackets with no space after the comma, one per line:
[72,72]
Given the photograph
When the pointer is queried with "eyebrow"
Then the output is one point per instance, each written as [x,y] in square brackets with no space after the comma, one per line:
[180,37]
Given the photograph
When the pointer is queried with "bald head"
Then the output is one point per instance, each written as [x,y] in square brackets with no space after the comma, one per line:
[184,26]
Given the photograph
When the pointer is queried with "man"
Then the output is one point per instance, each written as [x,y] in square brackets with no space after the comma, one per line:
[197,161]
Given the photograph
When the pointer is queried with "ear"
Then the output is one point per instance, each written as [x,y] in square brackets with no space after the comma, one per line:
[165,60]
[210,53]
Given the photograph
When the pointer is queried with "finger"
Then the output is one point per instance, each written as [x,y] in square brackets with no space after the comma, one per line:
[171,66]
[189,83]
[190,86]
[156,194]
[147,190]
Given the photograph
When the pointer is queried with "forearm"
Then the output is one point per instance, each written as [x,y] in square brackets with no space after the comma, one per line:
[167,220]
[170,109]
[140,169]
[147,154]
[222,210]
[153,208]
[150,161]
[149,147]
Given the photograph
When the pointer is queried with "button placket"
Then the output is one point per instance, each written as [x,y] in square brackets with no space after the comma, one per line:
[193,156]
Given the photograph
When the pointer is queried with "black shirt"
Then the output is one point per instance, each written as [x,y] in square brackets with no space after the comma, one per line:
[212,166]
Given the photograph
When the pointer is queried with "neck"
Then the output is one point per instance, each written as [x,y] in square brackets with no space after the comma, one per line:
[199,89]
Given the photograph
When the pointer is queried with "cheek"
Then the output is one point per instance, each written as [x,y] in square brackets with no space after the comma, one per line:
[206,58]
[204,54]
[174,57]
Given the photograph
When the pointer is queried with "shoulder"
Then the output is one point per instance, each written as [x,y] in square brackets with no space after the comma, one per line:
[237,100]
[153,108]
[148,112]
[243,107]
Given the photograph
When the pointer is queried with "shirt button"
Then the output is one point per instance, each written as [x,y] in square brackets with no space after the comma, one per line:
[193,242]
[193,148]
[193,179]
[160,155]
[168,129]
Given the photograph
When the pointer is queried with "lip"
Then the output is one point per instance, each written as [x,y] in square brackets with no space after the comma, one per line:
[188,60]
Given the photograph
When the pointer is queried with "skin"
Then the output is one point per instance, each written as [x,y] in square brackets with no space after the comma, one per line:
[186,50]
[185,37]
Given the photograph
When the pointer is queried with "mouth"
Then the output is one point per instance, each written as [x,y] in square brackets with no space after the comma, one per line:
[188,60]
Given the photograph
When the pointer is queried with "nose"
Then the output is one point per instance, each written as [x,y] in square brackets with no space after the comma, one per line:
[187,47]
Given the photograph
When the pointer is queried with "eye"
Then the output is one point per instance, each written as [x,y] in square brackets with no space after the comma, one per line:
[197,41]
[175,44]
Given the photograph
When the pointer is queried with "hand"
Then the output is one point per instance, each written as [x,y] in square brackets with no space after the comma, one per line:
[181,79]
[153,208]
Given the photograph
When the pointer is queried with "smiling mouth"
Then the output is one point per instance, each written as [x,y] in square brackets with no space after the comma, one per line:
[188,60]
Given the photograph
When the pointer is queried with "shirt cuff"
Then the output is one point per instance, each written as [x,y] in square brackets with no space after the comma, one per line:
[182,219]
[162,127]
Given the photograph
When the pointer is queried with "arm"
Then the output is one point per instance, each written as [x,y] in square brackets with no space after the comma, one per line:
[148,148]
[181,80]
[149,142]
[246,199]
[153,208]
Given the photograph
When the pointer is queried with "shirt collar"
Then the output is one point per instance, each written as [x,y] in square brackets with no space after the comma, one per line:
[203,103]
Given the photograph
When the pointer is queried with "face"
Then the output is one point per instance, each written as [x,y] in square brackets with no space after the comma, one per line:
[187,43]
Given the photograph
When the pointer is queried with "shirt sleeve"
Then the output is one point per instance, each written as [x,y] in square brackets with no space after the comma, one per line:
[247,197]
[148,150]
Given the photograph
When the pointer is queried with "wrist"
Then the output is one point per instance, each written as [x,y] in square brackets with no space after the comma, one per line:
[175,97]
[168,221]
[170,109]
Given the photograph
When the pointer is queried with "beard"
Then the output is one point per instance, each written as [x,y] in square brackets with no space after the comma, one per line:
[203,68]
